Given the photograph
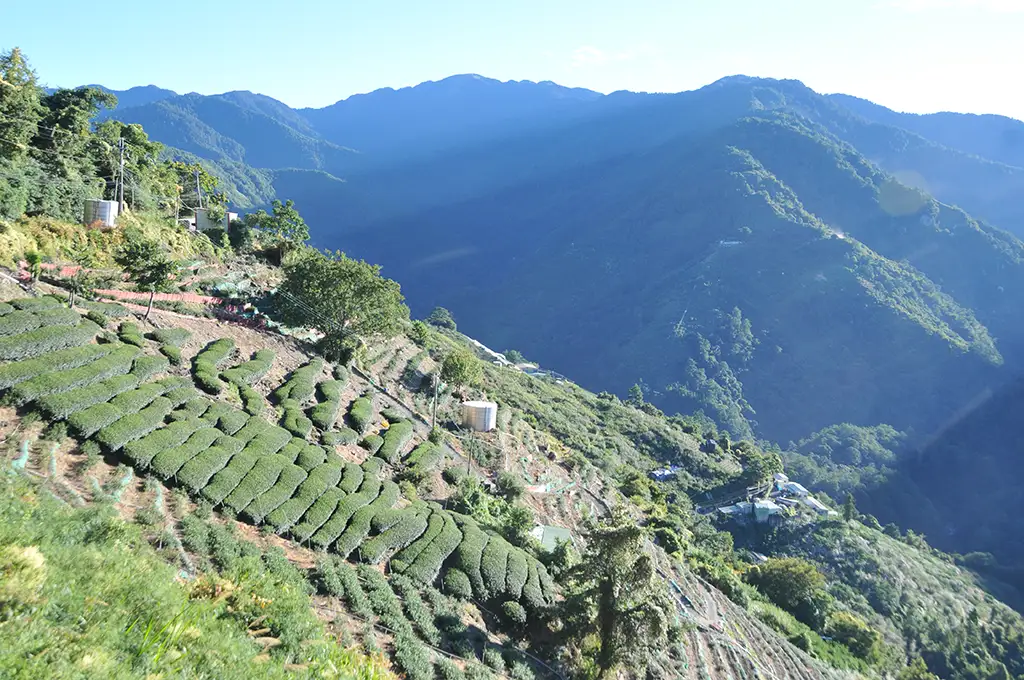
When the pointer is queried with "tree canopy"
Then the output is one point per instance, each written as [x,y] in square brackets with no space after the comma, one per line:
[461,367]
[282,230]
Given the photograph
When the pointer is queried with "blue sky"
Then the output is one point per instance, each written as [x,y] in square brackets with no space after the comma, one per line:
[911,55]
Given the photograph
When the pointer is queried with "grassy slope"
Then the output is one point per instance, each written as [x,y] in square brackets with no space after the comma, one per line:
[84,595]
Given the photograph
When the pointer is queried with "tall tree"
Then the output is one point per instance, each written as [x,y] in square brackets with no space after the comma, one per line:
[282,231]
[615,595]
[343,298]
[147,264]
[65,130]
[20,110]
[461,367]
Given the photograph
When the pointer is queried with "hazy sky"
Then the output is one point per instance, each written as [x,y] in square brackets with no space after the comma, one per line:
[911,55]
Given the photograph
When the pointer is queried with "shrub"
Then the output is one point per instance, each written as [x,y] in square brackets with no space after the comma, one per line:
[411,524]
[427,565]
[196,473]
[147,366]
[352,478]
[228,479]
[91,420]
[180,396]
[97,318]
[175,337]
[301,384]
[166,463]
[142,451]
[253,428]
[23,321]
[325,414]
[360,414]
[205,365]
[408,555]
[395,440]
[510,485]
[359,527]
[135,400]
[383,600]
[14,373]
[293,448]
[37,304]
[248,372]
[172,353]
[447,668]
[111,309]
[319,480]
[494,565]
[345,436]
[393,415]
[457,584]
[294,420]
[129,333]
[135,425]
[317,514]
[232,421]
[333,528]
[311,456]
[372,443]
[469,555]
[340,580]
[252,401]
[532,593]
[45,340]
[193,408]
[413,658]
[494,660]
[5,308]
[74,382]
[517,572]
[271,499]
[423,460]
[262,476]
[453,475]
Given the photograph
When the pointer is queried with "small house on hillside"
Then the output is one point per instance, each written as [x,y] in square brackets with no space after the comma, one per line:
[818,506]
[794,489]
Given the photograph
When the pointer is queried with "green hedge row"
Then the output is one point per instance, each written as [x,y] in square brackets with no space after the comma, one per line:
[135,400]
[271,499]
[319,480]
[516,572]
[111,309]
[416,609]
[143,451]
[248,372]
[172,353]
[396,439]
[88,422]
[408,555]
[38,304]
[294,420]
[134,425]
[118,362]
[411,524]
[360,414]
[423,460]
[175,337]
[457,584]
[352,479]
[197,473]
[5,308]
[383,600]
[129,333]
[340,580]
[252,401]
[254,427]
[333,528]
[193,408]
[22,322]
[533,595]
[469,554]
[147,366]
[317,514]
[301,384]
[372,443]
[359,526]
[311,456]
[268,443]
[179,396]
[427,565]
[63,405]
[494,565]
[345,436]
[262,476]
[228,479]
[205,365]
[14,373]
[166,463]
[325,413]
[45,340]
[385,519]
[293,448]
[232,421]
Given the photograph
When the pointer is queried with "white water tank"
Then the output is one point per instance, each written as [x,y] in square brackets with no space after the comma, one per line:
[102,213]
[480,416]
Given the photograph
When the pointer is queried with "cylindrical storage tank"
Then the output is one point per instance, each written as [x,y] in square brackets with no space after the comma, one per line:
[103,213]
[480,416]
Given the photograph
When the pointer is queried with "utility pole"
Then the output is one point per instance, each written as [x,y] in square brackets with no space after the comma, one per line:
[120,184]
[199,191]
[433,410]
